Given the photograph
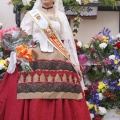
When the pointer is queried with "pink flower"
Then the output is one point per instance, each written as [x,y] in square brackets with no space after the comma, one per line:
[2,32]
[99,37]
[92,41]
[82,58]
[106,61]
[11,29]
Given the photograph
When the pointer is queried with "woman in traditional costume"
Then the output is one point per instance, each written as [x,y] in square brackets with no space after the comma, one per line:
[52,91]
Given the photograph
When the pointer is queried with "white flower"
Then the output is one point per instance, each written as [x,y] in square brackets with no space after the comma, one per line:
[26,2]
[102,110]
[103,45]
[112,57]
[95,0]
[91,0]
[109,72]
[79,44]
[1,66]
[117,36]
[100,96]
[91,116]
[79,1]
[113,37]
[15,34]
[1,25]
[119,69]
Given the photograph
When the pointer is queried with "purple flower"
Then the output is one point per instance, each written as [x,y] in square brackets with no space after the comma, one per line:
[82,58]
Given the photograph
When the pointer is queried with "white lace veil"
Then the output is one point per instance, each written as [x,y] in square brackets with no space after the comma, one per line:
[67,33]
[58,5]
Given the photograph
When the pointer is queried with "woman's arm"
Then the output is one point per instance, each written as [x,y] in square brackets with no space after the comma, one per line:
[27,24]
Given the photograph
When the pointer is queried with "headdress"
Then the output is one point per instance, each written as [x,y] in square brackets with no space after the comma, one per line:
[58,5]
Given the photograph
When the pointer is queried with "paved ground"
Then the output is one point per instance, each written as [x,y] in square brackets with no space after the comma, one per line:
[112,115]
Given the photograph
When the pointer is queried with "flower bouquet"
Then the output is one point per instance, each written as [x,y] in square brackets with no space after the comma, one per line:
[18,41]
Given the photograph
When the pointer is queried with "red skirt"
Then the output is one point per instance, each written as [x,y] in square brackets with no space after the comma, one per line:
[37,109]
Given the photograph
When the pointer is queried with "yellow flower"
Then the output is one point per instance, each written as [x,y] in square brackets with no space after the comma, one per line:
[86,46]
[116,61]
[3,62]
[90,106]
[105,39]
[102,86]
[98,63]
[86,1]
[118,84]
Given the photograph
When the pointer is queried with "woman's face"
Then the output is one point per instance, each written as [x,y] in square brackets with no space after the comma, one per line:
[47,2]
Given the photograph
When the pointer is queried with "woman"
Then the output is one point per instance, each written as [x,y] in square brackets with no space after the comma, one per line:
[52,91]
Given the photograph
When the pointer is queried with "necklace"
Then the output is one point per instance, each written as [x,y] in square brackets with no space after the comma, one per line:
[47,7]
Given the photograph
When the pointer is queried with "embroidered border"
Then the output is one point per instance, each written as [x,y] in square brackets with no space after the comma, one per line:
[48,87]
[49,91]
[51,65]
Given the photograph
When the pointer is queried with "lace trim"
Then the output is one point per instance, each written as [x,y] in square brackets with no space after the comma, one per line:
[51,65]
[48,76]
[48,87]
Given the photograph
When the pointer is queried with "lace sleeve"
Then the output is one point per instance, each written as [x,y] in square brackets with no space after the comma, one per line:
[27,24]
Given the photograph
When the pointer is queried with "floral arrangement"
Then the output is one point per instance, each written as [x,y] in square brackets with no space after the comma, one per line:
[101,64]
[103,95]
[103,54]
[15,39]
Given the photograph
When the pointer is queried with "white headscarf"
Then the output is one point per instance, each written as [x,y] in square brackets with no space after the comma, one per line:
[58,5]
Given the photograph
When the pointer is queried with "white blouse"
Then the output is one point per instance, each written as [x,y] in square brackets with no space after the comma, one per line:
[60,27]
[32,29]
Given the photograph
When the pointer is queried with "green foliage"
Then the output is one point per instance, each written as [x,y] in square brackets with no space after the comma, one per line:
[109,2]
[70,2]
[94,74]
[17,3]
